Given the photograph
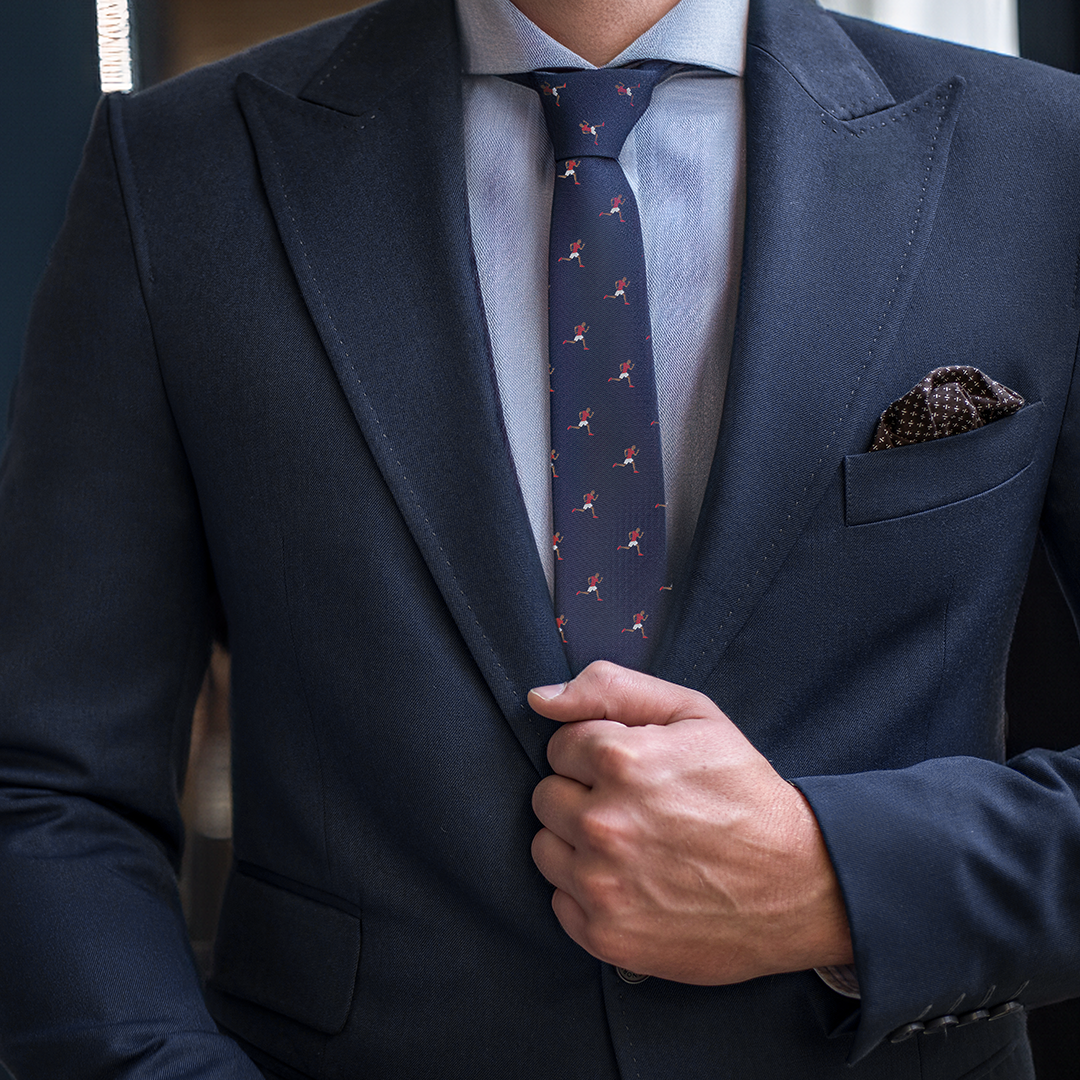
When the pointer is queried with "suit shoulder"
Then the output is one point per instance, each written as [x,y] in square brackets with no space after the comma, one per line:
[287,62]
[1006,92]
[192,126]
[909,62]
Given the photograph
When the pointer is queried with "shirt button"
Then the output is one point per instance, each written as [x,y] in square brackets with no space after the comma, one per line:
[631,977]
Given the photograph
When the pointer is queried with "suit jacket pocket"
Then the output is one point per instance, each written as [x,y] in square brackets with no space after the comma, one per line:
[907,480]
[287,953]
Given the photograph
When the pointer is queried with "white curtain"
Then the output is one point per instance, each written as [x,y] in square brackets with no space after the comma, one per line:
[986,24]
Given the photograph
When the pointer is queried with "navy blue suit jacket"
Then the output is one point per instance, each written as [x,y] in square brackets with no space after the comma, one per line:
[258,390]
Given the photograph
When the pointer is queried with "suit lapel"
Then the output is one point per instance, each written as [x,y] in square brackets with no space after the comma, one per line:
[365,177]
[842,186]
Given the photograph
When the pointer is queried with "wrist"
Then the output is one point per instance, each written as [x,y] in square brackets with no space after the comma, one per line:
[821,935]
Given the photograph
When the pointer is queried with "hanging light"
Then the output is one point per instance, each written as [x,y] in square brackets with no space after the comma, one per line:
[114,45]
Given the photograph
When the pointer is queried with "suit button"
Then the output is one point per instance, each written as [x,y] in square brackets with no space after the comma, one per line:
[902,1034]
[1007,1009]
[631,977]
[971,1017]
[942,1023]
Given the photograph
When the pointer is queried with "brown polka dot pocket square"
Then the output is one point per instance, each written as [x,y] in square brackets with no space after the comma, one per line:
[949,401]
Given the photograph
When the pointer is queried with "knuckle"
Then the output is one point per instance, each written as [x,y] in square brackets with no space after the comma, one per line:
[538,846]
[618,759]
[610,842]
[603,670]
[541,796]
[605,830]
[612,681]
[601,895]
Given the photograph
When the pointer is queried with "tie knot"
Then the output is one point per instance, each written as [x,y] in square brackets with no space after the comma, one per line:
[590,113]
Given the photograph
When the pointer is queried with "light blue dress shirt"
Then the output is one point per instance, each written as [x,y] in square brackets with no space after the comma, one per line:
[685,161]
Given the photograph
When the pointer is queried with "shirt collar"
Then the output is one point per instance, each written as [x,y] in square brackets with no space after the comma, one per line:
[497,39]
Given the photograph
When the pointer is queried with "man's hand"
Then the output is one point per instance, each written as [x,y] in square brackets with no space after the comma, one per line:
[674,847]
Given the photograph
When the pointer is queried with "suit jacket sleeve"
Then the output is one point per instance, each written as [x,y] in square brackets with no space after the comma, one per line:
[107,601]
[964,893]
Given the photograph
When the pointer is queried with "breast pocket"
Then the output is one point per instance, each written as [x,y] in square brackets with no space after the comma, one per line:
[890,484]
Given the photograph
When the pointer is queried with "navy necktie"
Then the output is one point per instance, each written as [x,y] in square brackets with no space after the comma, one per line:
[607,476]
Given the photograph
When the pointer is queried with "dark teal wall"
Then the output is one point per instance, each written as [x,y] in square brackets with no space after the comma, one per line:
[1050,32]
[49,84]
[1043,683]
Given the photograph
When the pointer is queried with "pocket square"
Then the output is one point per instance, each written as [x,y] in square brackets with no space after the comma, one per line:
[949,401]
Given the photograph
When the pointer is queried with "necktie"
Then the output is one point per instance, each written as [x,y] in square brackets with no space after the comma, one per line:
[607,476]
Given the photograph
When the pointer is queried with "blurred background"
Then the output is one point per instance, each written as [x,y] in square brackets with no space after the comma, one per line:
[50,76]
[55,55]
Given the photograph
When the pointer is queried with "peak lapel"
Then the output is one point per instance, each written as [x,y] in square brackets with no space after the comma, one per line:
[842,186]
[365,177]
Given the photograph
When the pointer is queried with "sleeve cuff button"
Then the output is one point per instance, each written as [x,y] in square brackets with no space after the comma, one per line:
[942,1023]
[902,1034]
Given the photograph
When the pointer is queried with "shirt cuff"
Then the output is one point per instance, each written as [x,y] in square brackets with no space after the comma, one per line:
[841,978]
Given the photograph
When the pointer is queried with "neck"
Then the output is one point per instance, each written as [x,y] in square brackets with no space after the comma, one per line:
[597,30]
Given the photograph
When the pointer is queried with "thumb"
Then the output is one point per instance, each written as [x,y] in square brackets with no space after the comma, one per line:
[606,691]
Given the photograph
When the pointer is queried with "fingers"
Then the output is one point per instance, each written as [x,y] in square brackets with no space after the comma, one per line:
[559,803]
[554,858]
[606,691]
[612,718]
[560,863]
[588,750]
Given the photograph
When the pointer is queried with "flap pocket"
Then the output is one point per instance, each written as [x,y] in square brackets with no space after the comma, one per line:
[286,952]
[906,480]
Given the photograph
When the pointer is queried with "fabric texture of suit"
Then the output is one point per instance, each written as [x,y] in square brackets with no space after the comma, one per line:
[258,391]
